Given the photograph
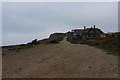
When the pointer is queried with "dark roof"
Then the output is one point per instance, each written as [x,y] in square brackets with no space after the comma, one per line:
[97,30]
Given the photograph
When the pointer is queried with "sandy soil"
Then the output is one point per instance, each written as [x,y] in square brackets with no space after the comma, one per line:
[63,60]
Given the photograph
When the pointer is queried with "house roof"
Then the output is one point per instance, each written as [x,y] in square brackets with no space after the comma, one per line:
[97,30]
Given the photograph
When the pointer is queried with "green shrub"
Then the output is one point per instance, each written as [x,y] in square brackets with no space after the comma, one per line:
[57,36]
[54,41]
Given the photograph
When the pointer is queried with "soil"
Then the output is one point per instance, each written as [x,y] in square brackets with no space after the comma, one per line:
[61,60]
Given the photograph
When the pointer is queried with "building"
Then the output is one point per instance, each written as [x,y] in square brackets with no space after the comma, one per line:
[92,33]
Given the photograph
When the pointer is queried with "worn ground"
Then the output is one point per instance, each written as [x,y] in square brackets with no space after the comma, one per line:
[62,60]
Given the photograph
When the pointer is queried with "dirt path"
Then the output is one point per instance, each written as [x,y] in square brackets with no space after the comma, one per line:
[63,60]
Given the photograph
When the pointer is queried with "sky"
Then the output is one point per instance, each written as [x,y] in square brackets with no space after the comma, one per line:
[24,21]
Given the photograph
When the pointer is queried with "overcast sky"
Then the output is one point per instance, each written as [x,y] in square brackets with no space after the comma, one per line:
[24,21]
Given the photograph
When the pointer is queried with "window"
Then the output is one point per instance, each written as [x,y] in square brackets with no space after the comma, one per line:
[87,35]
[91,35]
[102,35]
[91,31]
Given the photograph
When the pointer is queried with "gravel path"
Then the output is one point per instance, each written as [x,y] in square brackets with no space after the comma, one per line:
[63,60]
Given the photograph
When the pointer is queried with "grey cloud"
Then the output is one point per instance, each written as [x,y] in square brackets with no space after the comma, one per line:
[40,19]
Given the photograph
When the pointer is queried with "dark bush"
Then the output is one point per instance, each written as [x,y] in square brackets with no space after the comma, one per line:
[57,36]
[34,41]
[54,41]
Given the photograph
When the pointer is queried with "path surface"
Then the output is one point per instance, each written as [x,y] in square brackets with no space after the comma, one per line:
[63,60]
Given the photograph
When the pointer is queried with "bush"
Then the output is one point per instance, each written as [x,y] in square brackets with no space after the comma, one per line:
[57,36]
[72,39]
[54,41]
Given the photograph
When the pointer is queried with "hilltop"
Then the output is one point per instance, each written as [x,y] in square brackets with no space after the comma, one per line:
[59,60]
[111,45]
[63,55]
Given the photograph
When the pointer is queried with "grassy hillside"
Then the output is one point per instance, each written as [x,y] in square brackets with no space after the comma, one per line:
[54,38]
[72,38]
[57,36]
[111,45]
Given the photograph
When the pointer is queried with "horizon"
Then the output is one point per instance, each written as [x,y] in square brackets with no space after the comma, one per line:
[50,34]
[25,21]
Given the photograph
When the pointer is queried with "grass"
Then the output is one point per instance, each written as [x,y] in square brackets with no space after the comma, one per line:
[54,38]
[72,39]
[106,47]
[111,45]
[54,41]
[57,36]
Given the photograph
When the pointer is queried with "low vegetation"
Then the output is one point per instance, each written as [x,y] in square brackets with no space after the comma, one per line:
[54,41]
[110,45]
[17,48]
[107,46]
[54,38]
[75,40]
[57,36]
[44,41]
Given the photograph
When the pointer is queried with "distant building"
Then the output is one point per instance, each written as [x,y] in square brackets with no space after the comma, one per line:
[92,33]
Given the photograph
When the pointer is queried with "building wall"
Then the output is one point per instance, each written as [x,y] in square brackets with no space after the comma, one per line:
[102,36]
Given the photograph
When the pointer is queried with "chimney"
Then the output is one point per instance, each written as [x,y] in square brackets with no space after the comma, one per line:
[84,27]
[94,26]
